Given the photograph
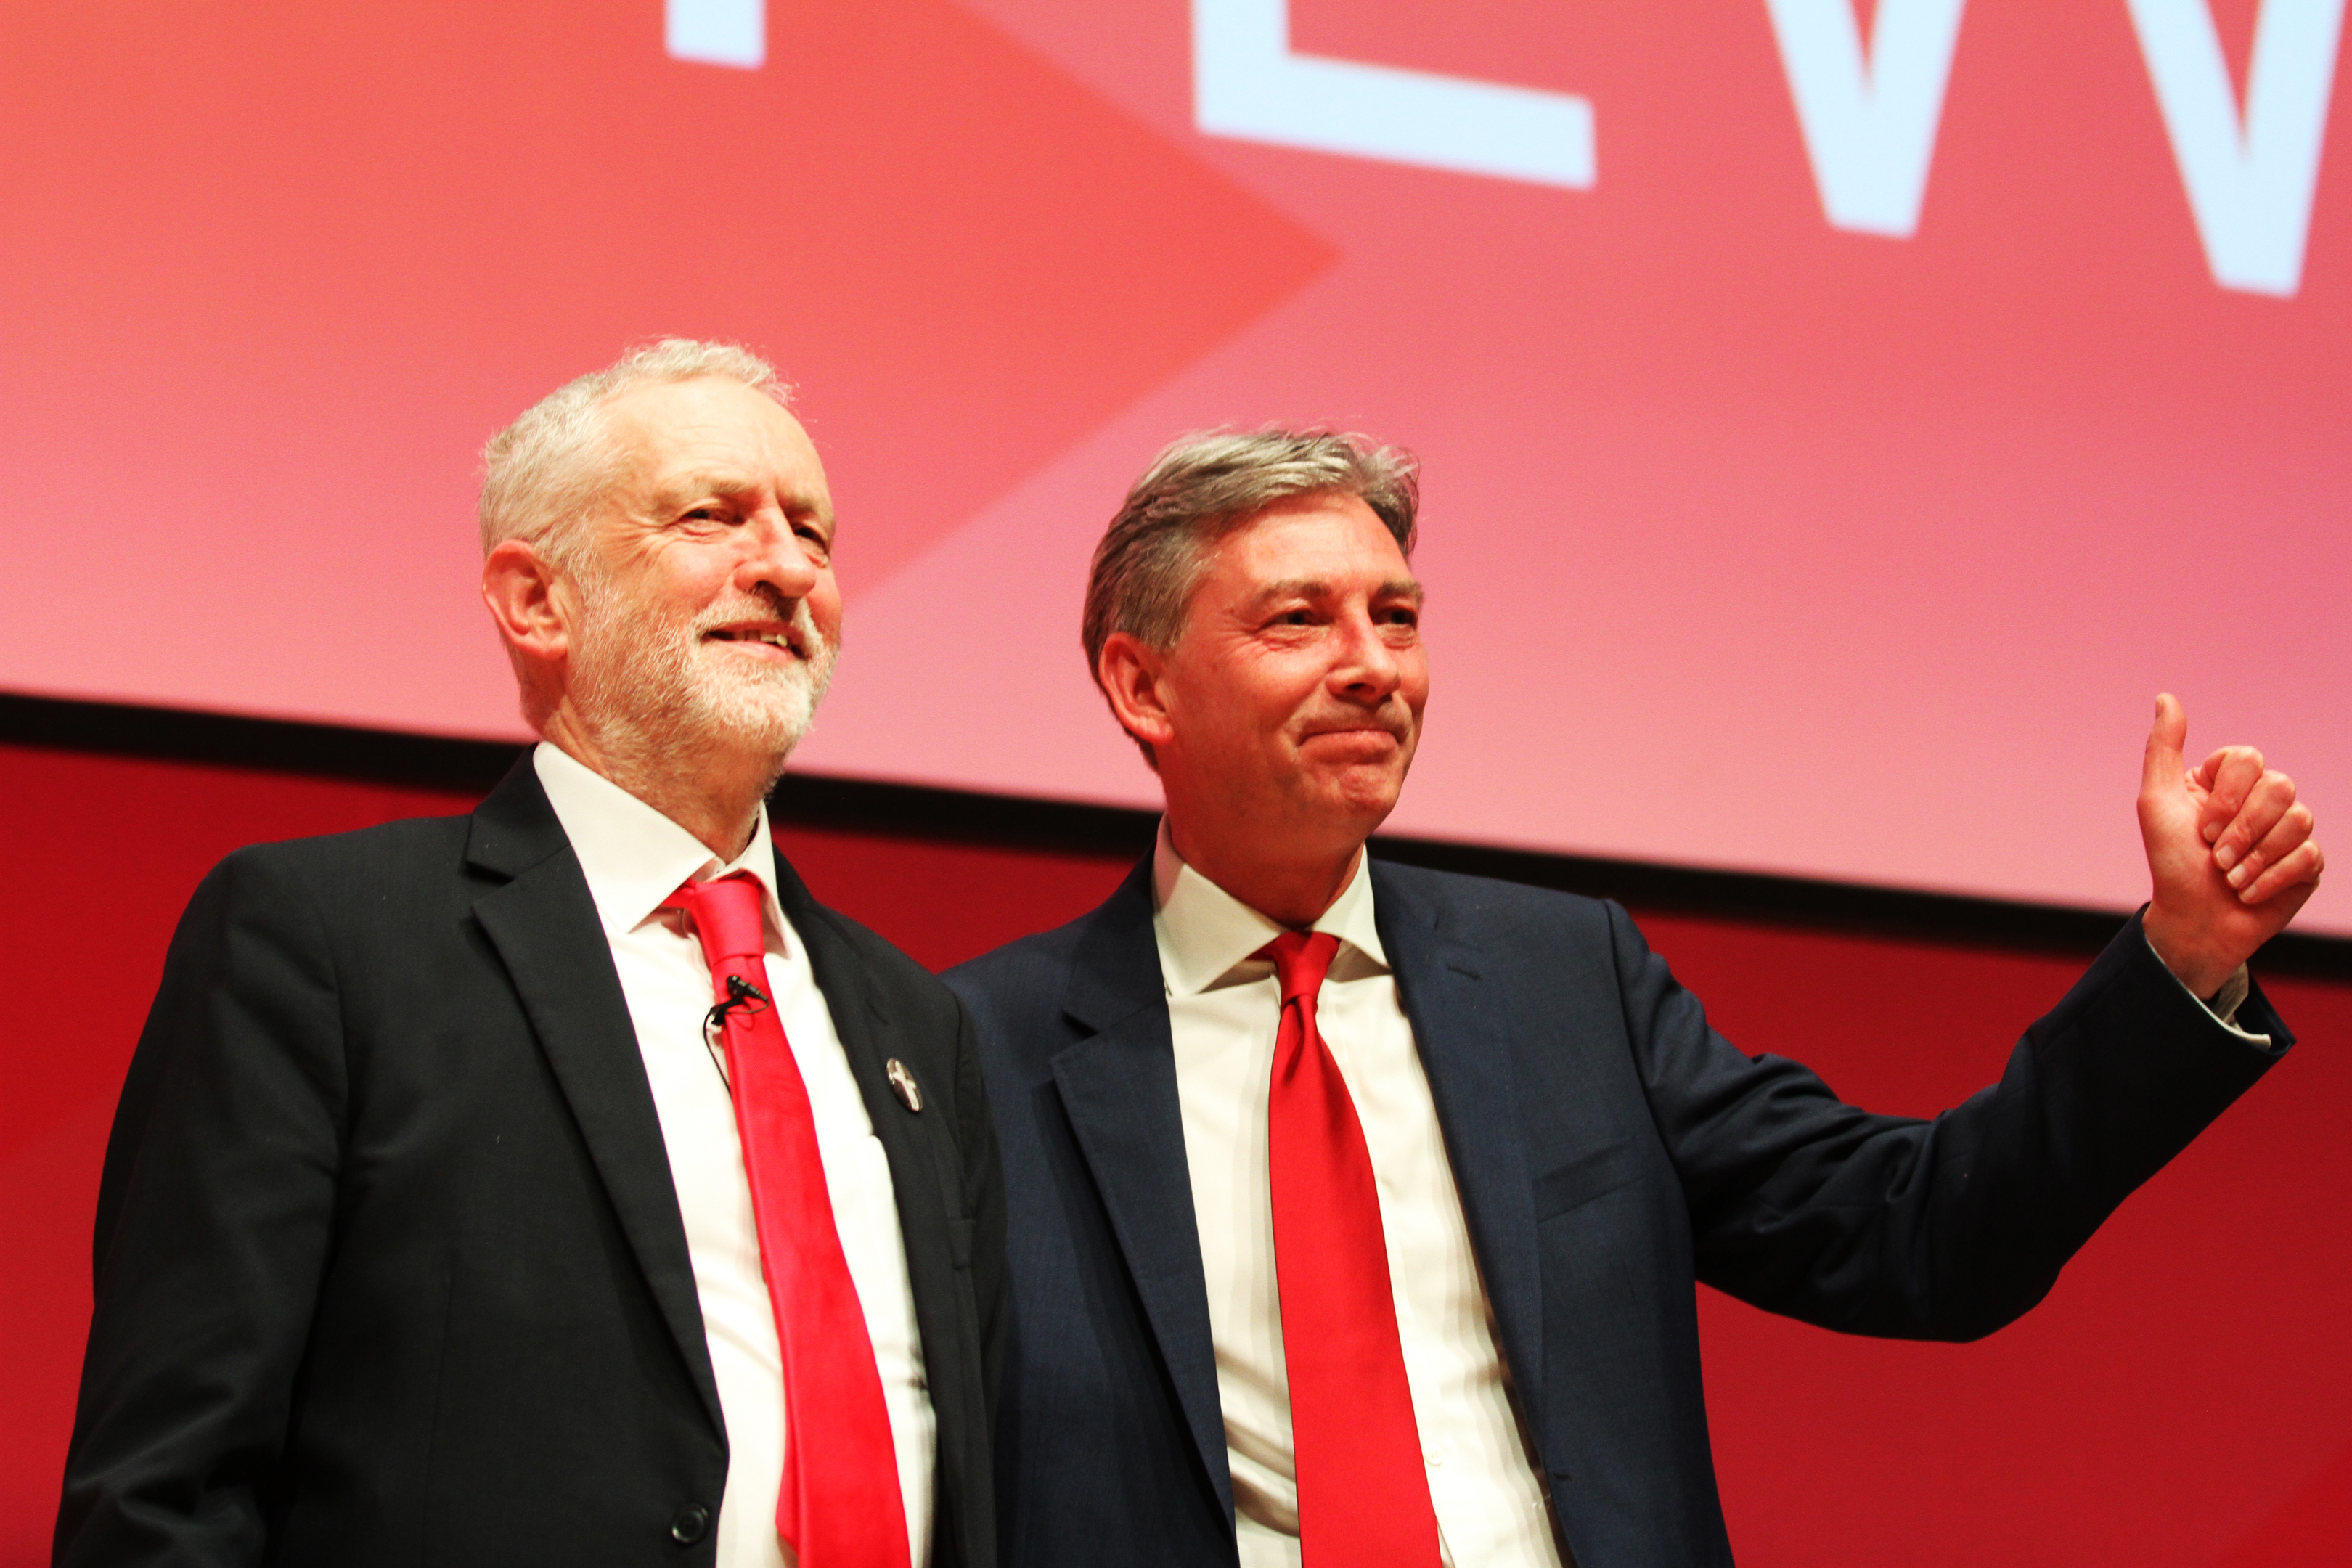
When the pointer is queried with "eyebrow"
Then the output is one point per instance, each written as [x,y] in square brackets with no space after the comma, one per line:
[1316,588]
[686,488]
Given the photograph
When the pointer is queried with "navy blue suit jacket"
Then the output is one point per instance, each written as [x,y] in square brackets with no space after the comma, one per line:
[1609,1149]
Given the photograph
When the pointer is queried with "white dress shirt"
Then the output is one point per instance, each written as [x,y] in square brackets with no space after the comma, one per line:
[633,858]
[1223,1007]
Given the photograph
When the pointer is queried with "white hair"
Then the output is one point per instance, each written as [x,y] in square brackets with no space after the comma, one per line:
[639,670]
[545,471]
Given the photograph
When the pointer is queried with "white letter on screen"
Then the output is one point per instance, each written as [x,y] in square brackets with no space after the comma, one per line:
[2250,184]
[717,31]
[1869,124]
[1246,84]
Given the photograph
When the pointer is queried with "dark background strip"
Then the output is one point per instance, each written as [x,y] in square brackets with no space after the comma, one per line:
[919,812]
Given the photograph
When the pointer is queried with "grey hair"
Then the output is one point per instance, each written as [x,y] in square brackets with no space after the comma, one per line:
[1205,485]
[1202,487]
[548,468]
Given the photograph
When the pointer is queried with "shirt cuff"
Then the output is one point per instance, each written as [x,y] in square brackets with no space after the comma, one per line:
[2223,1003]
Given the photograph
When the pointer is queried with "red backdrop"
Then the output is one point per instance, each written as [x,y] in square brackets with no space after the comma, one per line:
[2184,1397]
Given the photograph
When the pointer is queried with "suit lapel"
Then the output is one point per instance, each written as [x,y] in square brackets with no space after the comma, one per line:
[544,924]
[925,1167]
[1117,1086]
[1466,1048]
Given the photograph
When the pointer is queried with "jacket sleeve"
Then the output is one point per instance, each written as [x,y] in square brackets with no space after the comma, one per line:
[214,1212]
[1945,1228]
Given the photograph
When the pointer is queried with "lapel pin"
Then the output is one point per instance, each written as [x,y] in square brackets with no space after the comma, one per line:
[903,1083]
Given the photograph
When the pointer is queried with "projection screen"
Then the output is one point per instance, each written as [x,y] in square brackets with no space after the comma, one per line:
[1838,423]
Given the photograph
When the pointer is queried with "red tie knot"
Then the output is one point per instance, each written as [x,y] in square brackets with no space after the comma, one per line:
[726,915]
[1300,959]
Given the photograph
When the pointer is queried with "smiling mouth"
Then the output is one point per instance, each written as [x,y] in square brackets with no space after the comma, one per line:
[781,640]
[1356,732]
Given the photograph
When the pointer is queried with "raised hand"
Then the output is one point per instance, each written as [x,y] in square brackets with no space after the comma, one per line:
[2229,853]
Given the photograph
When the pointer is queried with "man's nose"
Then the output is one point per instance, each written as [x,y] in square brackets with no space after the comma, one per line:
[1367,670]
[777,556]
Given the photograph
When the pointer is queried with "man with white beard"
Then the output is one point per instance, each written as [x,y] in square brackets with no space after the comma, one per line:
[563,1184]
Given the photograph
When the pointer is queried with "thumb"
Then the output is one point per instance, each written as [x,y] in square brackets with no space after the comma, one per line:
[2163,765]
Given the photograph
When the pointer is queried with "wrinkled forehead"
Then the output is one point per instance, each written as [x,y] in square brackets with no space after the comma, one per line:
[1318,545]
[676,440]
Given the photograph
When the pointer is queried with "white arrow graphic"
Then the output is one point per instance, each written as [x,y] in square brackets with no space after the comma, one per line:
[2251,181]
[1248,85]
[1870,123]
[717,32]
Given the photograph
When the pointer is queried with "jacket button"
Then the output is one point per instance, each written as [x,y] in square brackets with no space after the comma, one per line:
[692,1523]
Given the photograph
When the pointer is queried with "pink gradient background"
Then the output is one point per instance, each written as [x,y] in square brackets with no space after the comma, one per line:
[1751,544]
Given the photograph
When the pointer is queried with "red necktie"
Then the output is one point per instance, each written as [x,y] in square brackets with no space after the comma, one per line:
[1363,1500]
[838,1506]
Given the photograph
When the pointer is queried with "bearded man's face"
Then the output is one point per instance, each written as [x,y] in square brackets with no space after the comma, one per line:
[707,610]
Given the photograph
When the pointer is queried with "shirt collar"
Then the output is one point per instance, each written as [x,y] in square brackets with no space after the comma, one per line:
[1206,934]
[632,855]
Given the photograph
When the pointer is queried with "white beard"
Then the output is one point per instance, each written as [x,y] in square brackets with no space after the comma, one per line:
[652,686]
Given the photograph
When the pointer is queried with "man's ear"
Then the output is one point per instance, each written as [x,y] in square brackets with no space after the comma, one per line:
[519,585]
[1132,674]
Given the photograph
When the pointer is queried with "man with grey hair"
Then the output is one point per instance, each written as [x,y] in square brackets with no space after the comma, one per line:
[1355,1210]
[563,1184]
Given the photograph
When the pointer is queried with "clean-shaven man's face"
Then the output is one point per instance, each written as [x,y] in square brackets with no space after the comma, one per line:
[1296,689]
[708,613]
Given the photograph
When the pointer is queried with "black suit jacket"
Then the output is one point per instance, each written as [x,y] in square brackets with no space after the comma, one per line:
[390,1267]
[1610,1149]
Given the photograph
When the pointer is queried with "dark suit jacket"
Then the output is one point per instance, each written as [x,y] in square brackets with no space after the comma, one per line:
[390,1267]
[1609,1149]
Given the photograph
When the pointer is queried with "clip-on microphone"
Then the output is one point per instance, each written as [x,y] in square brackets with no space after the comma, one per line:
[740,993]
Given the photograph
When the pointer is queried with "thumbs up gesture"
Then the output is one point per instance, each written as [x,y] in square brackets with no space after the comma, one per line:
[2229,853]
